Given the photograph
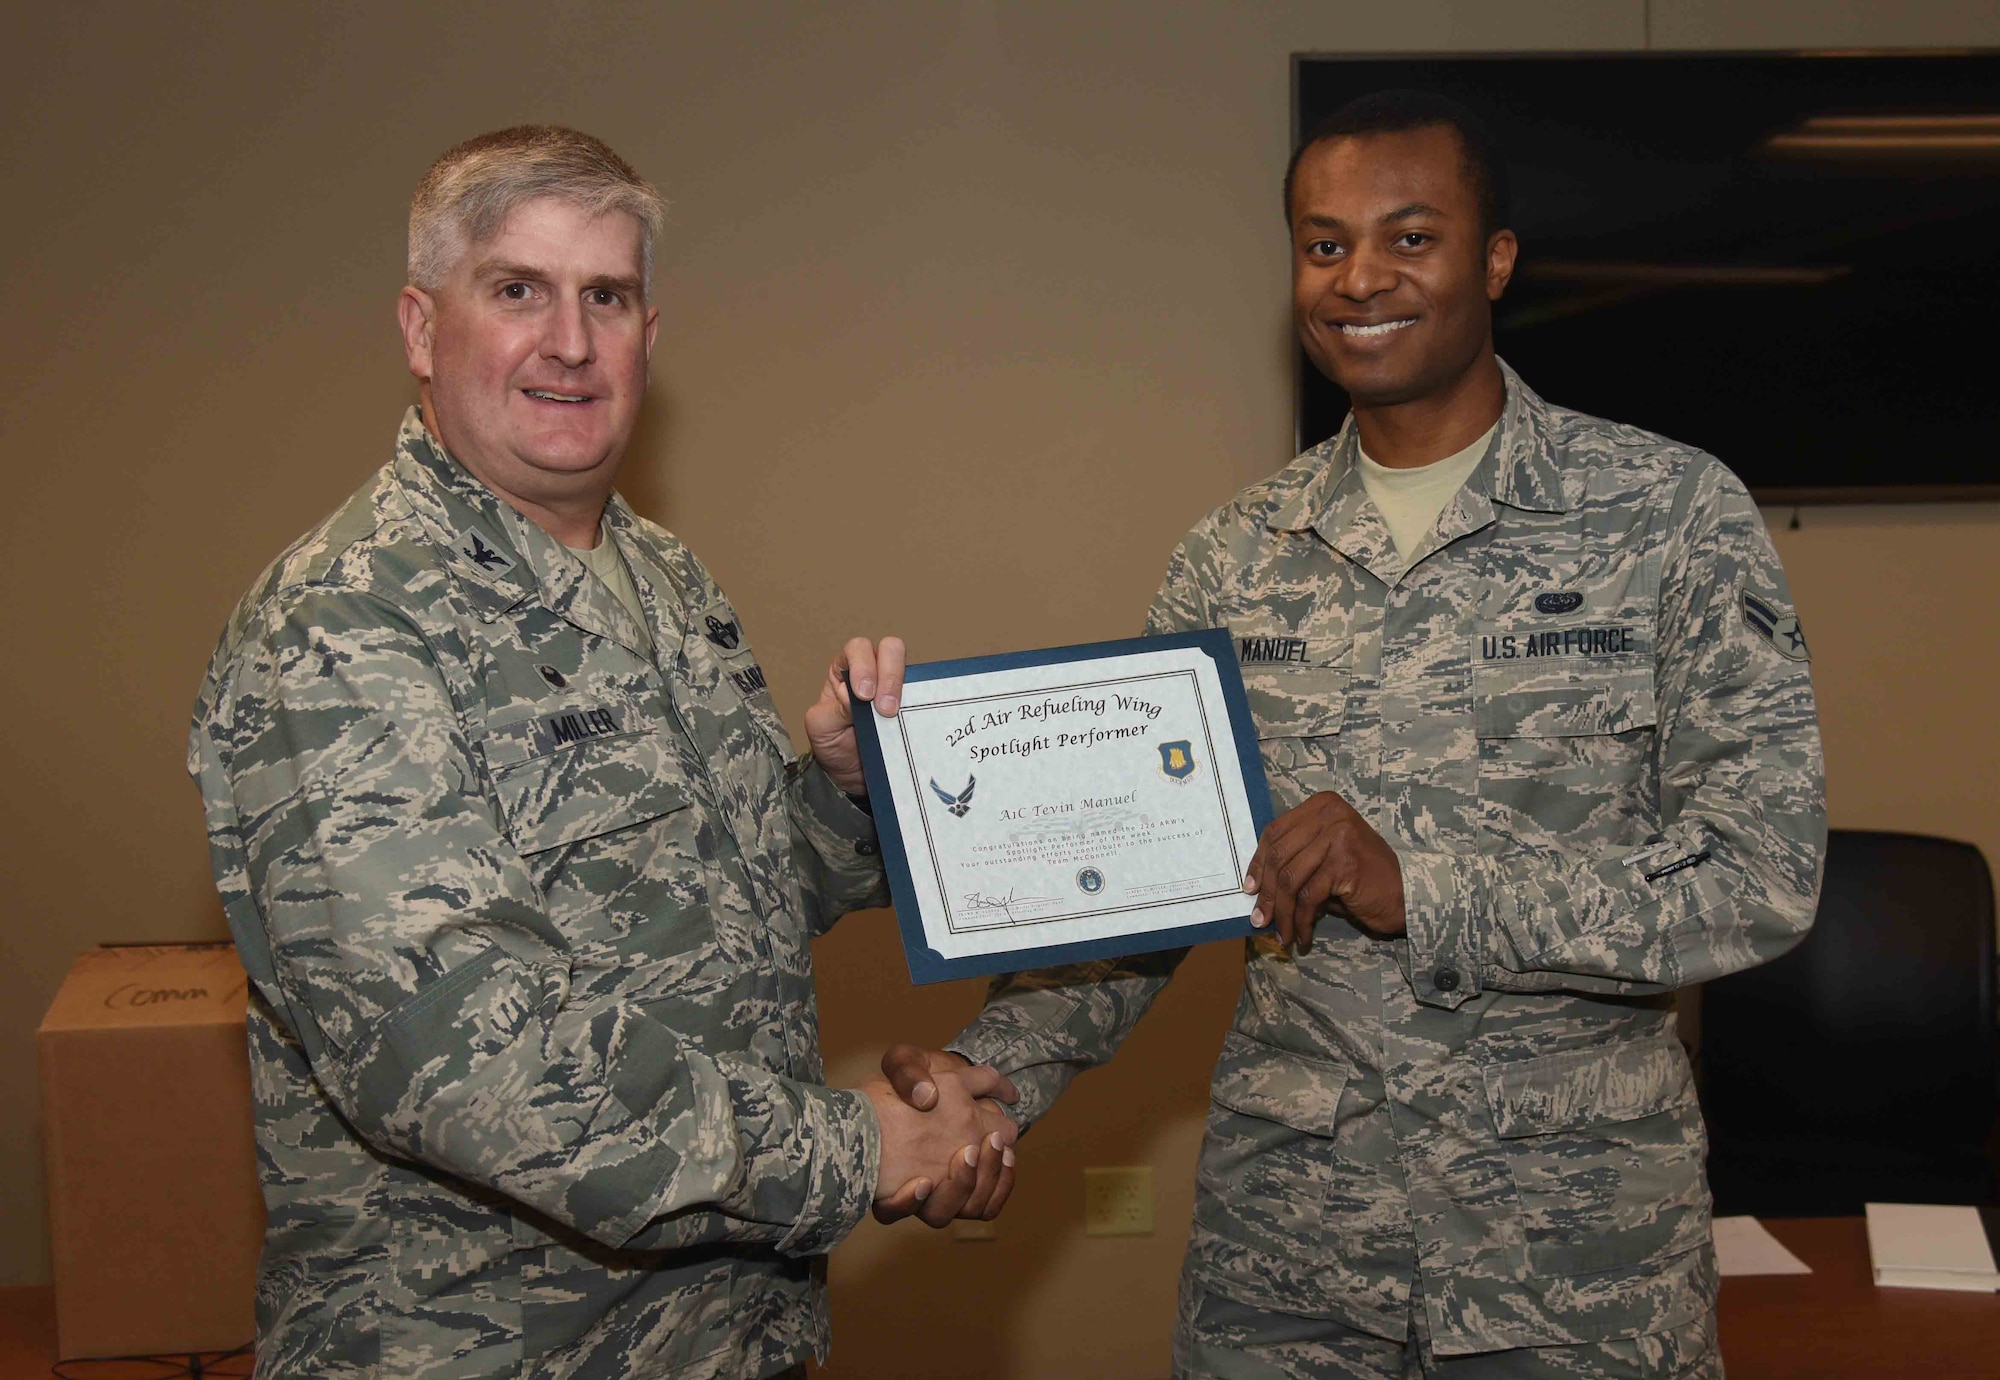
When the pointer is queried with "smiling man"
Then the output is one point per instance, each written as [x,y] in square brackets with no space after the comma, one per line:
[1545,752]
[522,866]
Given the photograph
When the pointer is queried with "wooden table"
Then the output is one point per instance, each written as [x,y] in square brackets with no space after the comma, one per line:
[1829,1325]
[1835,1323]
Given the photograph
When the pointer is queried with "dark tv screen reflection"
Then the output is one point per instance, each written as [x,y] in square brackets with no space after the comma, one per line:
[1790,261]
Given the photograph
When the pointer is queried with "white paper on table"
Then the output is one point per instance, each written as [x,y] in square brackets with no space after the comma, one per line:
[1929,1246]
[1744,1247]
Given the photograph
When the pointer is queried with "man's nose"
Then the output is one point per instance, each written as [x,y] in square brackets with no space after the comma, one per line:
[566,334]
[1368,271]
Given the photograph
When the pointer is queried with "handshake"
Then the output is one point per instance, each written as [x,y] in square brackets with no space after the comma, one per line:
[947,1143]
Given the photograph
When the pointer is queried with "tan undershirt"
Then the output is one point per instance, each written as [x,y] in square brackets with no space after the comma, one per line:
[1410,500]
[603,561]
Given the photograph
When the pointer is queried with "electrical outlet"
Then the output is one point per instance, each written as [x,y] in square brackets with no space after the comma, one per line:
[1118,1201]
[973,1229]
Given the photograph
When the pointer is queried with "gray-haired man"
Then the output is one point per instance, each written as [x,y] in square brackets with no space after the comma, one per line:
[517,854]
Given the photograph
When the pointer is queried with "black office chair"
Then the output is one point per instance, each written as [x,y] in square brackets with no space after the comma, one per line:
[1860,1067]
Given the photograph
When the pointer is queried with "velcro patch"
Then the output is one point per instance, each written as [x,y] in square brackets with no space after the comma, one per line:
[480,552]
[552,731]
[1261,651]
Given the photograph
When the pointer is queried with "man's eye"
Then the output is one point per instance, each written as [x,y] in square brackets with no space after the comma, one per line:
[1414,239]
[1323,248]
[515,292]
[603,297]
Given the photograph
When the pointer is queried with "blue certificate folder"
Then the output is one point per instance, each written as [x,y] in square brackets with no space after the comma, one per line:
[927,964]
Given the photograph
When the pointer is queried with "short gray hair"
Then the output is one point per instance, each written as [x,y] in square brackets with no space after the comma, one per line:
[469,192]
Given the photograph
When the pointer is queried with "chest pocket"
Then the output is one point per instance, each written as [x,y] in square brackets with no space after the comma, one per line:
[1296,702]
[567,793]
[604,826]
[1299,712]
[1566,752]
[1564,704]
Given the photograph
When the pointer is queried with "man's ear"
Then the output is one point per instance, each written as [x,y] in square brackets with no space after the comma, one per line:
[1500,252]
[416,314]
[652,330]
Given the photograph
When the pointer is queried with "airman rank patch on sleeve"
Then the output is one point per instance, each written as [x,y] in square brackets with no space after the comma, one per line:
[1781,630]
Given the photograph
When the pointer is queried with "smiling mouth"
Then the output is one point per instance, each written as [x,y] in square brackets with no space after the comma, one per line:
[1380,328]
[546,396]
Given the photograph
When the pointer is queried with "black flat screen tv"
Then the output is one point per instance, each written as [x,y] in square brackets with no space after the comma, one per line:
[1789,260]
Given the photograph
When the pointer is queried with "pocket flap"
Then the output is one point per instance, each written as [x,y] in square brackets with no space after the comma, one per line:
[1296,702]
[1295,1090]
[1586,1087]
[1540,704]
[590,789]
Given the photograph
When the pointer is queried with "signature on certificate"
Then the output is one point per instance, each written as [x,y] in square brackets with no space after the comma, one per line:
[979,900]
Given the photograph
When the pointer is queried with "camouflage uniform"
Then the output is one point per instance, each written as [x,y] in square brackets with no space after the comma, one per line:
[1584,720]
[526,915]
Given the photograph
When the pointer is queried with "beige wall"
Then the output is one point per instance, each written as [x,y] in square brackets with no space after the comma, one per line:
[969,311]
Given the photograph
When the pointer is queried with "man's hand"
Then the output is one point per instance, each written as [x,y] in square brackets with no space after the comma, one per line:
[1320,852]
[978,1189]
[877,673]
[939,1158]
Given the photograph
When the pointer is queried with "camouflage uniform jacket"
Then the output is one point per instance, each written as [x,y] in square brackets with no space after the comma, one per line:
[1584,720]
[526,914]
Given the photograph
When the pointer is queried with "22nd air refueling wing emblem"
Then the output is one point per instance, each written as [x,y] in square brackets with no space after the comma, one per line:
[960,803]
[1177,759]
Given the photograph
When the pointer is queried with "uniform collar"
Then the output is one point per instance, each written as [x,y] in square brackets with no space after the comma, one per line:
[1519,470]
[503,557]
[672,601]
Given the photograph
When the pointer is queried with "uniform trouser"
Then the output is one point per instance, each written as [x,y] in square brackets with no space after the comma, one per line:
[1220,1339]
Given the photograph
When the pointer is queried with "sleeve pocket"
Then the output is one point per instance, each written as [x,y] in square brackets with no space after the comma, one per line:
[1296,1090]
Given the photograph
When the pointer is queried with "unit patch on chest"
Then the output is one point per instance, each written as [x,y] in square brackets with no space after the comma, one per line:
[723,632]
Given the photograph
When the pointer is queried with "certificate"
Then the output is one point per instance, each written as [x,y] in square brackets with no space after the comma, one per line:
[1049,807]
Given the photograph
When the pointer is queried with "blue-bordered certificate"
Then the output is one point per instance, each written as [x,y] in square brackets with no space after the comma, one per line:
[1048,807]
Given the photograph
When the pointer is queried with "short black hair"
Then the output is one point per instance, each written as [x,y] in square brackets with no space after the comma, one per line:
[1398,111]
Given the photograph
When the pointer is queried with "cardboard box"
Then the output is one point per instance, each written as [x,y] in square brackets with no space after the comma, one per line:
[155,1217]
